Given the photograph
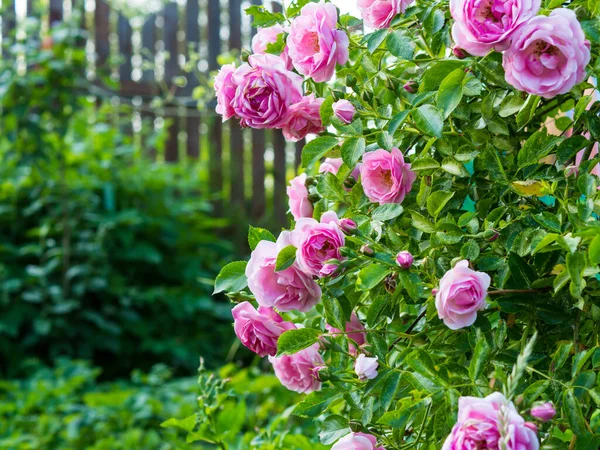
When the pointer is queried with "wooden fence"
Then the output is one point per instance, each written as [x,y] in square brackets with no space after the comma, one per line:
[245,171]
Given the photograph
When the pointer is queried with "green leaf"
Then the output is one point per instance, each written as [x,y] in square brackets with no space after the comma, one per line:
[569,148]
[437,201]
[387,212]
[548,220]
[539,145]
[375,39]
[511,104]
[232,278]
[333,429]
[315,403]
[454,167]
[285,258]
[451,92]
[316,149]
[371,276]
[576,264]
[533,391]
[377,307]
[334,314]
[594,251]
[470,251]
[435,74]
[560,357]
[401,45]
[429,120]
[480,357]
[262,18]
[572,410]
[352,150]
[397,120]
[296,6]
[421,223]
[528,111]
[424,164]
[326,111]
[255,235]
[330,187]
[389,387]
[520,271]
[292,341]
[421,363]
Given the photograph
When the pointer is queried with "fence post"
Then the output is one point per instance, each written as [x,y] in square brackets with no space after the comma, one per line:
[102,32]
[171,29]
[148,55]
[215,133]
[192,36]
[236,139]
[56,12]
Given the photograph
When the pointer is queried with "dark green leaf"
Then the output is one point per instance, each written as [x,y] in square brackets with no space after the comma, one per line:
[451,92]
[352,150]
[315,403]
[401,45]
[539,145]
[480,357]
[370,276]
[429,120]
[316,149]
[437,201]
[387,212]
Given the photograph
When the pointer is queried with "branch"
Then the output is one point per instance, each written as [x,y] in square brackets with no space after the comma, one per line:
[411,328]
[518,291]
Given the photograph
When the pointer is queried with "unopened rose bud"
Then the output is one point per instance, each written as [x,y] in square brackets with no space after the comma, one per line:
[245,55]
[344,110]
[366,250]
[543,412]
[355,426]
[411,87]
[459,53]
[366,368]
[349,182]
[321,373]
[310,181]
[348,252]
[314,198]
[405,259]
[519,400]
[348,226]
[491,235]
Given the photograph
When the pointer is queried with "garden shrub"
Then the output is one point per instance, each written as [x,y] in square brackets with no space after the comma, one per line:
[438,288]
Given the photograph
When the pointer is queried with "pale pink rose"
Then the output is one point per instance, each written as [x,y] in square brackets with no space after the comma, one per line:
[365,367]
[483,25]
[290,289]
[386,178]
[265,91]
[266,36]
[357,441]
[299,372]
[548,55]
[317,243]
[304,118]
[315,44]
[379,14]
[259,329]
[225,90]
[300,205]
[355,331]
[479,425]
[405,259]
[543,412]
[344,110]
[332,165]
[461,294]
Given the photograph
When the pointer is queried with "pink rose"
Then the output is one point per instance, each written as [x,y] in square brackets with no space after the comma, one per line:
[333,165]
[304,118]
[405,259]
[380,13]
[266,36]
[297,192]
[225,90]
[461,294]
[386,178]
[355,331]
[317,243]
[548,55]
[543,412]
[483,25]
[265,92]
[299,372]
[315,44]
[344,110]
[259,329]
[482,423]
[357,441]
[366,368]
[290,289]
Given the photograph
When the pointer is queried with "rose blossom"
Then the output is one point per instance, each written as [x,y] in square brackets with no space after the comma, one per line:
[355,331]
[386,178]
[315,44]
[304,118]
[405,259]
[366,368]
[357,441]
[461,294]
[333,165]
[348,226]
[266,36]
[548,55]
[299,372]
[380,13]
[479,425]
[265,91]
[287,290]
[225,90]
[297,192]
[483,25]
[259,329]
[344,110]
[543,412]
[317,243]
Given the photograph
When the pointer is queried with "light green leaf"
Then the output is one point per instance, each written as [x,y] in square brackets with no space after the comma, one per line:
[352,150]
[330,187]
[424,164]
[293,341]
[316,149]
[429,120]
[315,403]
[436,202]
[454,167]
[451,92]
[371,276]
[539,145]
[285,258]
[387,212]
[232,278]
[401,45]
[255,235]
[527,111]
[480,357]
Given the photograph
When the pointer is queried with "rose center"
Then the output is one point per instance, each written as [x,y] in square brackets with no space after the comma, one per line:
[312,41]
[387,178]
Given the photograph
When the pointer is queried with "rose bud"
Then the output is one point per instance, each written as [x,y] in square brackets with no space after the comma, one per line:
[411,87]
[543,412]
[349,182]
[491,235]
[348,226]
[366,250]
[366,368]
[344,110]
[404,259]
[459,52]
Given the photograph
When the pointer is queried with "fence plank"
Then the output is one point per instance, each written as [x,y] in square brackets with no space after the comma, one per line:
[279,174]
[56,11]
[9,22]
[258,174]
[298,154]
[124,32]
[102,32]
[192,36]
[215,130]
[171,29]
[236,142]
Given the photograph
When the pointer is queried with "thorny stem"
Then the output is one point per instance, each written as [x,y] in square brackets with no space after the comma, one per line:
[411,328]
[517,291]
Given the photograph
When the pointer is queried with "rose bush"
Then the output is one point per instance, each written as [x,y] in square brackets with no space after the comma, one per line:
[446,220]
